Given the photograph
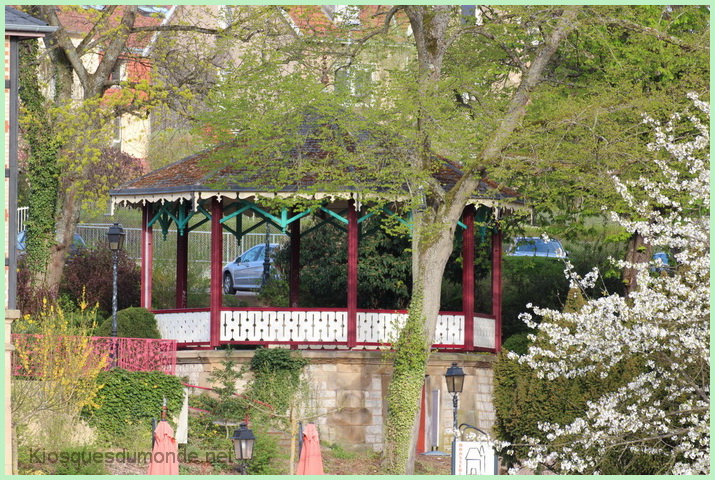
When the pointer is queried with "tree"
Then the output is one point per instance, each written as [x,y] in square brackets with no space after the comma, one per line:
[497,65]
[662,412]
[69,127]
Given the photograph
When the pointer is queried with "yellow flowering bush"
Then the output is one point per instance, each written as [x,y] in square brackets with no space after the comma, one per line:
[55,363]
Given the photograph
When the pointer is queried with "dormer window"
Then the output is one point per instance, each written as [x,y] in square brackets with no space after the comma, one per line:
[348,15]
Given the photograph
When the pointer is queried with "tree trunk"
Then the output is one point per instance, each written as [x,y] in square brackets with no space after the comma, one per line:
[433,230]
[65,225]
[637,252]
[431,247]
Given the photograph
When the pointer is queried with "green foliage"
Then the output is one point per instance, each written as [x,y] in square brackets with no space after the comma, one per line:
[384,268]
[410,362]
[586,121]
[205,435]
[79,462]
[338,451]
[518,343]
[42,164]
[274,293]
[164,276]
[128,399]
[276,377]
[133,322]
[527,280]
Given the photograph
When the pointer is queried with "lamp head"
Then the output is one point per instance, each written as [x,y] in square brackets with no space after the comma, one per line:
[115,236]
[455,379]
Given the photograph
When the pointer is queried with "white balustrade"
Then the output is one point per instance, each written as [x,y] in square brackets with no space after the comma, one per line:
[185,327]
[311,326]
[484,332]
[379,327]
[283,326]
[449,330]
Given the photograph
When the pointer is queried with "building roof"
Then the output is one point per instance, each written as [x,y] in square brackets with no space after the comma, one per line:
[200,176]
[80,21]
[21,22]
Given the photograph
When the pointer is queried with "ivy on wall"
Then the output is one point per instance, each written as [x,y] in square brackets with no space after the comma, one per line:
[42,163]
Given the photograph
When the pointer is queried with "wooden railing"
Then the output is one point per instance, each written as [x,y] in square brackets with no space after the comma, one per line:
[316,328]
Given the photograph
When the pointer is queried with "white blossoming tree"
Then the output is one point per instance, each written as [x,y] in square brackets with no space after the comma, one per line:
[662,413]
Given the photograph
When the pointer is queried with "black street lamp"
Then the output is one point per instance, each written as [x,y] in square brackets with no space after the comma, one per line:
[455,384]
[266,257]
[243,440]
[115,237]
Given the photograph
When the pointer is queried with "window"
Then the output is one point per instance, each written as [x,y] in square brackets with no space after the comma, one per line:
[343,14]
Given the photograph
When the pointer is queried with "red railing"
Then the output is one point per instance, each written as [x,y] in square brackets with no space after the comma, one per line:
[135,354]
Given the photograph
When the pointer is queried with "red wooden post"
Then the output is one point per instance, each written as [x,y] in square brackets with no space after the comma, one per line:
[182,268]
[294,278]
[353,236]
[216,270]
[147,254]
[497,286]
[468,276]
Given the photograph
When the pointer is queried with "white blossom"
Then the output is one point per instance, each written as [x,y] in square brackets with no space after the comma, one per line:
[664,410]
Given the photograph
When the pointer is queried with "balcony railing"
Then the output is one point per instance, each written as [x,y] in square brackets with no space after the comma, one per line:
[316,328]
[135,354]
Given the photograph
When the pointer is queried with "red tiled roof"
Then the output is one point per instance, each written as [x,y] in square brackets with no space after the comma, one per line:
[313,19]
[79,21]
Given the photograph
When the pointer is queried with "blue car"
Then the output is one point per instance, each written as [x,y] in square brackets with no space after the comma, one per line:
[246,271]
[537,247]
[77,243]
[664,259]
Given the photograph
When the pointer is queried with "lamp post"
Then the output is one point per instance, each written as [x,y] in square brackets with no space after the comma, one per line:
[115,236]
[455,384]
[243,440]
[266,257]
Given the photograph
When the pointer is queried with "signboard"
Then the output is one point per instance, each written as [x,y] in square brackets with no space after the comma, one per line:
[474,458]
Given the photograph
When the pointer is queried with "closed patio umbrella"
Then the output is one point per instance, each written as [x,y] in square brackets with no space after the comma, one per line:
[165,454]
[311,461]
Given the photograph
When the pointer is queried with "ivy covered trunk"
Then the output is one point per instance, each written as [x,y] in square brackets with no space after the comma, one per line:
[431,247]
[434,228]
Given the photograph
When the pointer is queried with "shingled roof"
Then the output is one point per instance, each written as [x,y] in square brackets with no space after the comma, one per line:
[23,23]
[199,176]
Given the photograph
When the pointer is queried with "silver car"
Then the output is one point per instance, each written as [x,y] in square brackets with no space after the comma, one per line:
[537,247]
[246,271]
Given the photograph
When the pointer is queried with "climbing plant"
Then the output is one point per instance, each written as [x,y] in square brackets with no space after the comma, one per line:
[42,162]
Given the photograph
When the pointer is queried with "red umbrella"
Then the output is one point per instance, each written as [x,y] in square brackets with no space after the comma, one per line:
[311,462]
[165,454]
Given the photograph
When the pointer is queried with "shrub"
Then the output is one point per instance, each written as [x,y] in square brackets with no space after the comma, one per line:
[533,280]
[519,343]
[89,273]
[59,364]
[79,461]
[522,400]
[134,322]
[129,398]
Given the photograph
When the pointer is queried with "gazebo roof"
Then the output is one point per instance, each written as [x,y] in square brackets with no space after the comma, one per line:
[199,177]
[193,179]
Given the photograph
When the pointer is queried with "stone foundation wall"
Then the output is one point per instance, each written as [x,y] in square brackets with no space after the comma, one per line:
[348,388]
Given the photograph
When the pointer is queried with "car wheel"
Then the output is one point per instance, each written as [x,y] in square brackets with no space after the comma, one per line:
[228,284]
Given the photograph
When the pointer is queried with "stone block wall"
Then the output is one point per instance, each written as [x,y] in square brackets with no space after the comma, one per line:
[348,389]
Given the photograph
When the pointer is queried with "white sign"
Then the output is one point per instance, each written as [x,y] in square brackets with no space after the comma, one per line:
[474,458]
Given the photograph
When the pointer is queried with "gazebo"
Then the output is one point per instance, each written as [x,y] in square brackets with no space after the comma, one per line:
[184,195]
